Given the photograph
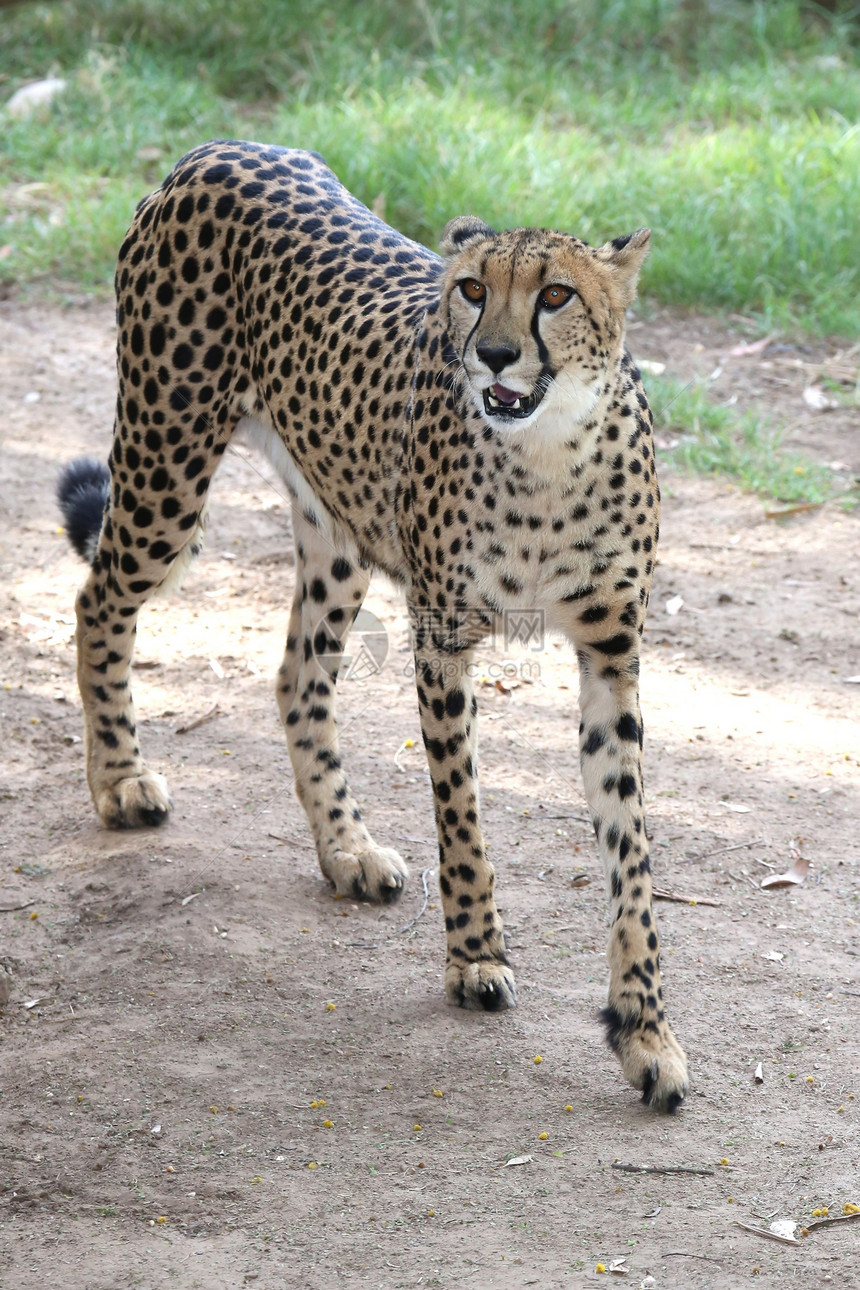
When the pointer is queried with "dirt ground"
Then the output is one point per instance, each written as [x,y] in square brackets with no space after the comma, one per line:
[191,1008]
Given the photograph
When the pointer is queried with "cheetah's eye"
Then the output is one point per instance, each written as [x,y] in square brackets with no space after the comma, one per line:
[555,296]
[473,290]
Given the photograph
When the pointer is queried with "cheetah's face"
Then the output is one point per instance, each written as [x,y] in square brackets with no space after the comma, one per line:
[537,320]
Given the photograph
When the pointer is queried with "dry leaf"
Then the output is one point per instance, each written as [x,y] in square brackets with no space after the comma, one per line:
[581,880]
[773,956]
[851,680]
[766,1231]
[792,877]
[650,366]
[518,1160]
[675,605]
[759,1074]
[186,900]
[784,1227]
[816,399]
[754,347]
[736,806]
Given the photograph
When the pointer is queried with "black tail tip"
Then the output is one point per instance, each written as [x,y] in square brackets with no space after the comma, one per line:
[83,489]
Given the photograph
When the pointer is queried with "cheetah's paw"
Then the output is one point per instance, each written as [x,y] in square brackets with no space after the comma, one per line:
[487,986]
[373,873]
[653,1062]
[137,802]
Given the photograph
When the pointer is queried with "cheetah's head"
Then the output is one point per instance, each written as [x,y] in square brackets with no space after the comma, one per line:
[537,319]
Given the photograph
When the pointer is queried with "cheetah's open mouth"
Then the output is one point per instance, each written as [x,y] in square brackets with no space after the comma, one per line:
[508,405]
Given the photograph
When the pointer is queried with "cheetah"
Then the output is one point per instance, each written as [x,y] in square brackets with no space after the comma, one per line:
[470,424]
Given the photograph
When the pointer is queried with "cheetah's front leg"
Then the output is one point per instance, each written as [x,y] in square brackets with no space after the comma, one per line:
[329,590]
[611,758]
[477,974]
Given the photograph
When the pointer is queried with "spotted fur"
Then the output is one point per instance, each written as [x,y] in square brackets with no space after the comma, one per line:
[472,425]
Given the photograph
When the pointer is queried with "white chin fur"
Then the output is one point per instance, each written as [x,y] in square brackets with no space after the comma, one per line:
[567,403]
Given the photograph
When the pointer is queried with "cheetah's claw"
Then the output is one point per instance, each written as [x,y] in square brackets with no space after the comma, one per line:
[376,874]
[653,1062]
[487,986]
[141,801]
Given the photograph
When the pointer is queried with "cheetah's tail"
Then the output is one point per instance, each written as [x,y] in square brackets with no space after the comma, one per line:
[83,489]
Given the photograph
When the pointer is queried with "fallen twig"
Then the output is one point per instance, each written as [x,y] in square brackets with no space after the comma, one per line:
[10,909]
[685,1254]
[293,842]
[661,1169]
[837,1218]
[214,711]
[740,877]
[425,874]
[544,815]
[738,846]
[792,510]
[659,894]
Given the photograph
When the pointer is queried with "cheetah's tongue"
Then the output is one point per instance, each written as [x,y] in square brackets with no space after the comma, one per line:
[504,395]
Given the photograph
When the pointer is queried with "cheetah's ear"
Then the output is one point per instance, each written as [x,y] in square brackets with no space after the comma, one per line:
[626,256]
[464,231]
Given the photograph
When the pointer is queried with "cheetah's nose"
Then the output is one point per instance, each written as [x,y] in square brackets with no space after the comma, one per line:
[496,356]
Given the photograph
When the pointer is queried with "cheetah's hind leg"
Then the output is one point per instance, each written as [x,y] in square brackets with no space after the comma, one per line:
[104,526]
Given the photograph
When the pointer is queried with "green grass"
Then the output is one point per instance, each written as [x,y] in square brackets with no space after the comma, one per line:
[712,438]
[731,130]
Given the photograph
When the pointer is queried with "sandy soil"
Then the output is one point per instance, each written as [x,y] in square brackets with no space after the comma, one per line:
[190,1006]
